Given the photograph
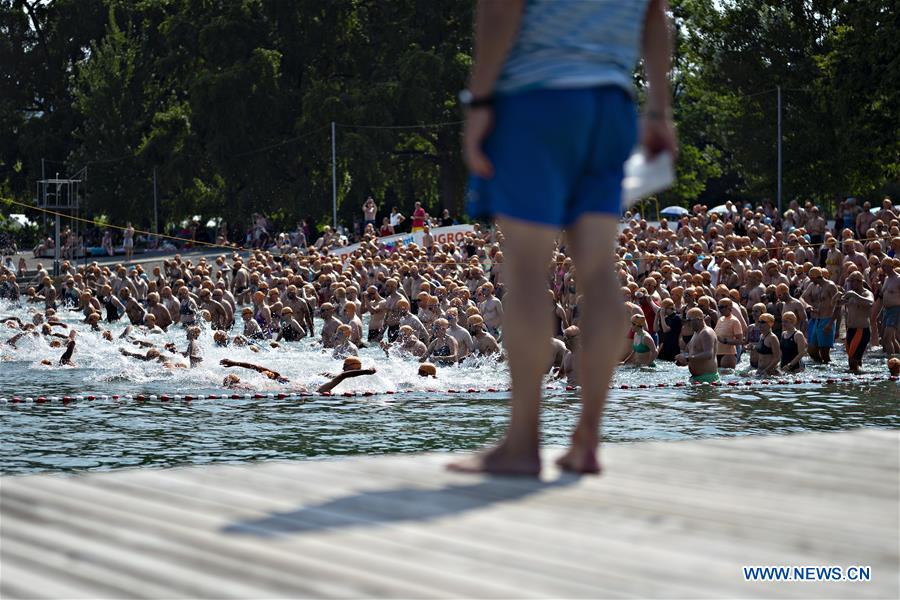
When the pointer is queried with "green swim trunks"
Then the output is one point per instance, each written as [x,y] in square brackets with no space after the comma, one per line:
[706,378]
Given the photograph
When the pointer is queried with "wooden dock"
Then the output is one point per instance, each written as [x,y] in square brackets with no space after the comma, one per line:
[667,519]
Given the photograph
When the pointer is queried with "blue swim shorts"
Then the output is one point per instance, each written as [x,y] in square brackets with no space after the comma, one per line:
[557,154]
[816,334]
[892,316]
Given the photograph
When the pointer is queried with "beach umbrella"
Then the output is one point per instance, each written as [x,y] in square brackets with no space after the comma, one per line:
[722,209]
[674,211]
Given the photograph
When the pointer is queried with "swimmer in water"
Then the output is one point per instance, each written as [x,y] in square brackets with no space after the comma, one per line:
[894,367]
[289,329]
[352,368]
[152,354]
[485,343]
[407,344]
[343,347]
[427,370]
[66,358]
[193,352]
[443,347]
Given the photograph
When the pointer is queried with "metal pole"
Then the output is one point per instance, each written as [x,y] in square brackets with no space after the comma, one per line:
[155,209]
[779,149]
[333,177]
[43,198]
[83,230]
[56,238]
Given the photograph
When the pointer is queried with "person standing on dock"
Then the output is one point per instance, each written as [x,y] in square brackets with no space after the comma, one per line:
[550,121]
[700,354]
[128,242]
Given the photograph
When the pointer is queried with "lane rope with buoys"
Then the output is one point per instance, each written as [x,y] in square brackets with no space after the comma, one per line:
[248,395]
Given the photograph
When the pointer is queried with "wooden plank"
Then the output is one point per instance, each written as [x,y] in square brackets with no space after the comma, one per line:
[564,543]
[377,574]
[748,531]
[62,569]
[61,526]
[432,557]
[668,519]
[501,551]
[301,477]
[22,579]
[703,511]
[166,518]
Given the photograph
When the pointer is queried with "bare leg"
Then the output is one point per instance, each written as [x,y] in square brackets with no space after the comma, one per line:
[729,361]
[604,319]
[890,344]
[527,321]
[873,325]
[813,352]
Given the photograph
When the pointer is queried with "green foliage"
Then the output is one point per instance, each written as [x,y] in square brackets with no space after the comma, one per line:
[230,102]
[836,64]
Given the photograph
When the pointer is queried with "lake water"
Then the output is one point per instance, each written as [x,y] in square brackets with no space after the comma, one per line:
[110,434]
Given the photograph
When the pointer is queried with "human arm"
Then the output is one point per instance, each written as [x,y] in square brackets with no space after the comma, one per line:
[337,379]
[227,362]
[428,350]
[454,347]
[654,351]
[12,341]
[66,358]
[865,299]
[661,324]
[136,355]
[496,26]
[657,130]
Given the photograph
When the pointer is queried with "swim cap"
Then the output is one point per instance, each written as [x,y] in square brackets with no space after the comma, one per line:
[427,369]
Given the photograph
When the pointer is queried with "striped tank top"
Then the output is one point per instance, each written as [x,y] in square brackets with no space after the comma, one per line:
[575,44]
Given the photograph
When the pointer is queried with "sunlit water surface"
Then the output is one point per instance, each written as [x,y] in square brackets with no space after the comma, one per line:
[110,434]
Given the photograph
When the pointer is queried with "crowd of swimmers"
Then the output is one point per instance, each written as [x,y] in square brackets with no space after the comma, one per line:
[703,292]
[711,288]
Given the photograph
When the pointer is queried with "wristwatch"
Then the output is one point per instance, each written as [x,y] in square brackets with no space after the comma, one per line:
[468,100]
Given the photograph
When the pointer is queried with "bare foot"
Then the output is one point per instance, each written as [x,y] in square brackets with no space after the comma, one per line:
[499,460]
[581,457]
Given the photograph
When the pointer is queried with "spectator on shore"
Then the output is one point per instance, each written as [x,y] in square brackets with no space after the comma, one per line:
[419,218]
[446,219]
[369,210]
[396,219]
[107,243]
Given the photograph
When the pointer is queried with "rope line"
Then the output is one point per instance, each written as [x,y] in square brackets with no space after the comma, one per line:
[231,395]
[422,126]
[119,227]
[283,142]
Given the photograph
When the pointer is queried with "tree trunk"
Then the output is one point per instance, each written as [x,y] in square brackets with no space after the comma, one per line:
[452,172]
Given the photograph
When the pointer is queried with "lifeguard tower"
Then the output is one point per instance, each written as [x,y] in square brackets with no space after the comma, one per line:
[60,196]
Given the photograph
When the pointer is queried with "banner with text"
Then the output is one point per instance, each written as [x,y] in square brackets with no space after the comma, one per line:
[441,235]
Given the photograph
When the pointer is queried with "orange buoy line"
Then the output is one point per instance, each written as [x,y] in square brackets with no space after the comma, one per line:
[230,395]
